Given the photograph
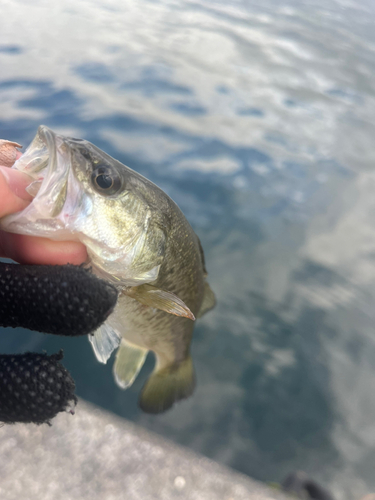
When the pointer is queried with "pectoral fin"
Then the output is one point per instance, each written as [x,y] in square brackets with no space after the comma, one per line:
[129,361]
[208,302]
[160,299]
[104,341]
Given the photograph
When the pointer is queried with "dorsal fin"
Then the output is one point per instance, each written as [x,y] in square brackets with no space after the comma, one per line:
[208,302]
[205,273]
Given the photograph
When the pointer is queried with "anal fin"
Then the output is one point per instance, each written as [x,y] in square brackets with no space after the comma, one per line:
[129,361]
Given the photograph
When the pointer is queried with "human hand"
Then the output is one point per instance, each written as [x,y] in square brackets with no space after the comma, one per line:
[66,300]
[77,302]
[14,198]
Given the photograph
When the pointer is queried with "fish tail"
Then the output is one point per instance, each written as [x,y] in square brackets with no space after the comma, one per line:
[167,385]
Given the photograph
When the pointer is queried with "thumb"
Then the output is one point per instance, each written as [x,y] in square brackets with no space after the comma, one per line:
[13,194]
[8,152]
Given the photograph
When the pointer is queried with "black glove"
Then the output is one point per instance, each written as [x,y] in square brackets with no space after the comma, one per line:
[62,300]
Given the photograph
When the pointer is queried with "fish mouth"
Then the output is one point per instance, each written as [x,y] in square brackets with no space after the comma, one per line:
[41,162]
[54,188]
[40,154]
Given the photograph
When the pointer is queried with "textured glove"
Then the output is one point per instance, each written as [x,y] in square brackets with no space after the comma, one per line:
[62,300]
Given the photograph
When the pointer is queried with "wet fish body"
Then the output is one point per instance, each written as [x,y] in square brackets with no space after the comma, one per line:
[138,239]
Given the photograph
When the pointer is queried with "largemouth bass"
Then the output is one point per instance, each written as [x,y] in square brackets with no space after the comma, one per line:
[138,239]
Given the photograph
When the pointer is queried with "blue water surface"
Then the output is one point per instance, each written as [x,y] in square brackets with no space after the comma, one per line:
[257,118]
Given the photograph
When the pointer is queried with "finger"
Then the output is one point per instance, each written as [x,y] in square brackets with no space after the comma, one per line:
[14,198]
[8,152]
[36,250]
[27,394]
[13,194]
[62,300]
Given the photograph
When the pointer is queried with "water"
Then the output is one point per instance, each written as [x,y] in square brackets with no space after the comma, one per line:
[257,118]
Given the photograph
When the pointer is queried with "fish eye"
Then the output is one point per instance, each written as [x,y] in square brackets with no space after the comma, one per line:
[106,180]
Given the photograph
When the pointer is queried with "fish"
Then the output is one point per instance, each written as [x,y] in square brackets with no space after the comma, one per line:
[138,239]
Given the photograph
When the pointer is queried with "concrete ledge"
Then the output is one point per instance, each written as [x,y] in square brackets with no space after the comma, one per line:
[95,455]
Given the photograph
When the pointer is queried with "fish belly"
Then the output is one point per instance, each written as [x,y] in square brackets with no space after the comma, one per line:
[141,325]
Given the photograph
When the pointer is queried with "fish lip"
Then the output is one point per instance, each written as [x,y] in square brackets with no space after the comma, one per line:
[48,135]
[47,161]
[38,155]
